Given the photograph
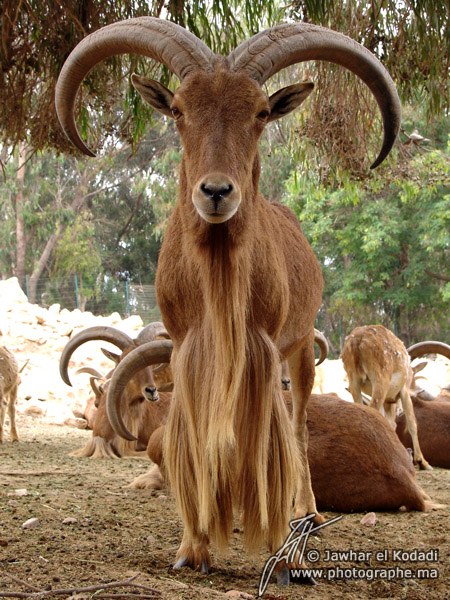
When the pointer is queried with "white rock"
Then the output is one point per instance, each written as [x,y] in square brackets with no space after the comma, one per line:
[31,523]
[21,492]
[369,520]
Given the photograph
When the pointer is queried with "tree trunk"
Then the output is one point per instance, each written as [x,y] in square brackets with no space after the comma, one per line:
[21,244]
[76,204]
[41,264]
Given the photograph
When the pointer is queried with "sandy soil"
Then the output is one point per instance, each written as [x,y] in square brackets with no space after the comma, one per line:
[92,529]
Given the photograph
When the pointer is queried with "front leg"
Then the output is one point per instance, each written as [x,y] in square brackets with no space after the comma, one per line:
[302,370]
[193,553]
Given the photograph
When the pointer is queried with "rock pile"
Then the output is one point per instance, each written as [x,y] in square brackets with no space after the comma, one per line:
[38,335]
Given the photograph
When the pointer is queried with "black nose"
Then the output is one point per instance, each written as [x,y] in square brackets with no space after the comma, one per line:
[151,394]
[216,192]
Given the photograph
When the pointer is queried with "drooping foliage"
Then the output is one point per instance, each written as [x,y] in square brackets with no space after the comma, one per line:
[410,37]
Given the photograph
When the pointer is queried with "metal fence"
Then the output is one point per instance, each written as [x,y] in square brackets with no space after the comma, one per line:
[108,295]
[102,298]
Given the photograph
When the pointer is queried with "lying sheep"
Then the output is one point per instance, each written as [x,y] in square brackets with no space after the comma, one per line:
[142,411]
[357,462]
[433,428]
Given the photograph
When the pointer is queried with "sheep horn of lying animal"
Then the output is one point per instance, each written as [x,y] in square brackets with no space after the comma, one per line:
[431,347]
[151,331]
[149,334]
[421,349]
[107,334]
[147,354]
[322,342]
[89,371]
[262,56]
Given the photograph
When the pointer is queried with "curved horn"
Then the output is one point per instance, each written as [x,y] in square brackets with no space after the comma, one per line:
[268,52]
[322,342]
[89,371]
[107,334]
[139,358]
[175,47]
[430,347]
[152,331]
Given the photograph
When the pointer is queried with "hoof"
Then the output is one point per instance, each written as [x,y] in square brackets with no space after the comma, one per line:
[283,576]
[181,562]
[424,466]
[185,562]
[205,569]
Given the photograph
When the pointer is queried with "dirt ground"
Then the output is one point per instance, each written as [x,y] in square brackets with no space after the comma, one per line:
[92,530]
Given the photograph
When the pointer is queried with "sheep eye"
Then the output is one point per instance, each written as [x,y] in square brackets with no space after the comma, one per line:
[263,115]
[176,113]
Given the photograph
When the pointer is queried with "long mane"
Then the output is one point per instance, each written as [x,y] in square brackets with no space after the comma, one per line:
[235,447]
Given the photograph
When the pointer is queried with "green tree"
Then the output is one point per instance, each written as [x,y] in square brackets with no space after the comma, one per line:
[77,252]
[64,200]
[383,246]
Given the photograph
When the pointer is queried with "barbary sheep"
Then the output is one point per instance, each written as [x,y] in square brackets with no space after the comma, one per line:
[9,383]
[377,363]
[433,428]
[142,411]
[237,284]
[356,461]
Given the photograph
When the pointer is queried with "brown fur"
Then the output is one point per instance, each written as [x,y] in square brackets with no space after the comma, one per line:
[377,363]
[90,411]
[433,428]
[357,462]
[140,416]
[9,383]
[163,376]
[236,297]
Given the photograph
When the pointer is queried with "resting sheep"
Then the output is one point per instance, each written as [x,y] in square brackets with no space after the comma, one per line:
[142,411]
[432,413]
[237,284]
[356,461]
[433,428]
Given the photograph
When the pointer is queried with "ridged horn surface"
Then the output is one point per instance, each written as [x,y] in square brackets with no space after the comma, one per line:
[140,358]
[175,47]
[107,334]
[430,347]
[152,331]
[268,52]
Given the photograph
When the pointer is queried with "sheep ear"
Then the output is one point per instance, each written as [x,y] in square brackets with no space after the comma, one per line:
[154,93]
[419,367]
[285,100]
[111,355]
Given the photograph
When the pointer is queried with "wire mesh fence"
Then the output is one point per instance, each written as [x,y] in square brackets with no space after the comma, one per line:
[103,297]
[107,295]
